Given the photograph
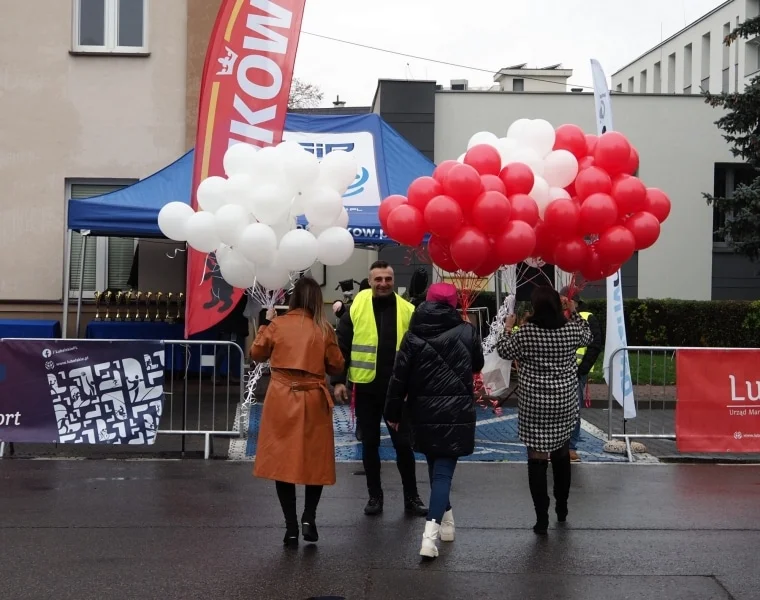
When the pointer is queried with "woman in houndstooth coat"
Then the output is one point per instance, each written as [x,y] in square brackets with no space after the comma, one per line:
[547,391]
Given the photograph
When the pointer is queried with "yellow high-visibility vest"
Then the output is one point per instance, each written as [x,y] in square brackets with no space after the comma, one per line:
[581,352]
[363,365]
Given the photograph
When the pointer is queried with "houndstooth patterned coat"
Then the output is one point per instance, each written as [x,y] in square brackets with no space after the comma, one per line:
[547,386]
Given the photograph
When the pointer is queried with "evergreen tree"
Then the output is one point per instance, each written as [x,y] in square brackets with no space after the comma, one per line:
[741,129]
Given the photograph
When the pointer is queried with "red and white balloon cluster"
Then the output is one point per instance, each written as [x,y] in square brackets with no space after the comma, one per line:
[249,218]
[558,196]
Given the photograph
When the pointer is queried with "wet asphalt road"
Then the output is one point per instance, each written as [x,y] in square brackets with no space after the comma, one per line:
[185,530]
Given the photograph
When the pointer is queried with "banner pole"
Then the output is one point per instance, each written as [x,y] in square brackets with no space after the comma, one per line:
[66,286]
[85,235]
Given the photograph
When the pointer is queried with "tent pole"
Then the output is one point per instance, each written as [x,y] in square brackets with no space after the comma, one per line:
[83,254]
[66,285]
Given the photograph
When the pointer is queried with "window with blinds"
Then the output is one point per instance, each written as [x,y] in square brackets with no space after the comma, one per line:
[119,251]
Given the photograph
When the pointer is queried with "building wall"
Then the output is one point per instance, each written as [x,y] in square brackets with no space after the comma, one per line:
[679,146]
[741,56]
[67,116]
[535,81]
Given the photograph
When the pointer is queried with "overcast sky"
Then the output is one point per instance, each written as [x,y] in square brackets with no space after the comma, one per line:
[485,34]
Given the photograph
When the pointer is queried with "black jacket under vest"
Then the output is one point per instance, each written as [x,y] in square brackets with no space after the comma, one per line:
[433,374]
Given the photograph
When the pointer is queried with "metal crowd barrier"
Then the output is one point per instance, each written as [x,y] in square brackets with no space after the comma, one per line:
[190,407]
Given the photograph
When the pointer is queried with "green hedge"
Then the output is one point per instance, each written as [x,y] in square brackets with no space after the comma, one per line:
[716,323]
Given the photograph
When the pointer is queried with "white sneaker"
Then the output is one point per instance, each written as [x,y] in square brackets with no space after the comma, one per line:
[447,527]
[429,548]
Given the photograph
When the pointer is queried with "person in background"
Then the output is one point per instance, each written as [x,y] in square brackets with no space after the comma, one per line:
[586,359]
[296,439]
[433,379]
[547,393]
[369,335]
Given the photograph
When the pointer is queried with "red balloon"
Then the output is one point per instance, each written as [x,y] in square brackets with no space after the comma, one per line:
[630,194]
[645,229]
[516,243]
[491,212]
[485,159]
[593,269]
[633,162]
[444,217]
[441,170]
[585,163]
[570,189]
[462,183]
[518,178]
[571,255]
[592,181]
[613,152]
[658,204]
[545,243]
[490,264]
[406,225]
[616,245]
[492,183]
[387,206]
[598,213]
[439,253]
[572,139]
[591,142]
[609,270]
[524,208]
[469,248]
[422,190]
[562,218]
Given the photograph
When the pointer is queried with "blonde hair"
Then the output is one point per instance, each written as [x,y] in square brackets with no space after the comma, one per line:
[307,296]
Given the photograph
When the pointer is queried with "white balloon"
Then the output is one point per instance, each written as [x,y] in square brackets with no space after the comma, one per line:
[222,252]
[271,203]
[301,168]
[323,206]
[172,219]
[339,170]
[540,191]
[239,158]
[483,137]
[298,206]
[258,243]
[335,246]
[556,193]
[342,220]
[298,250]
[237,271]
[540,136]
[201,232]
[517,129]
[528,157]
[461,158]
[268,168]
[283,227]
[288,146]
[212,193]
[560,168]
[506,147]
[231,220]
[272,277]
[240,190]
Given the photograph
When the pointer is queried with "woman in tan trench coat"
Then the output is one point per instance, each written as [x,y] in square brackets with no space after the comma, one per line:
[296,443]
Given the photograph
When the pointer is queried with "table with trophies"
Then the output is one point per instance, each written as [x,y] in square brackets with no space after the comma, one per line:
[30,328]
[148,316]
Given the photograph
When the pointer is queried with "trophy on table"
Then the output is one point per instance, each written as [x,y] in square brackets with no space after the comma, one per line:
[127,302]
[159,295]
[148,296]
[138,299]
[98,299]
[180,306]
[119,296]
[169,317]
[109,295]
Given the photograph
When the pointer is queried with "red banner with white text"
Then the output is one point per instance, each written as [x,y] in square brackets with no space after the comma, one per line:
[244,98]
[718,400]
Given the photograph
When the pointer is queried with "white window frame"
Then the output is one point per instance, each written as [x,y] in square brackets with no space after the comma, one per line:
[101,243]
[111,32]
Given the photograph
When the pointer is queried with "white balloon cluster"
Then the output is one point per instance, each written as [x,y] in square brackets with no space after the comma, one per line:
[531,142]
[250,217]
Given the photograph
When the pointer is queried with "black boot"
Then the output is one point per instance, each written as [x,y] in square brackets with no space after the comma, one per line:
[291,535]
[537,480]
[561,471]
[413,505]
[374,505]
[309,529]
[286,493]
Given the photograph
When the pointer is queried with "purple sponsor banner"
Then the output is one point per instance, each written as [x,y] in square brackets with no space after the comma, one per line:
[77,392]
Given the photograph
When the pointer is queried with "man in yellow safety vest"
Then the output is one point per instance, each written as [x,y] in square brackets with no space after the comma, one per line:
[586,359]
[369,335]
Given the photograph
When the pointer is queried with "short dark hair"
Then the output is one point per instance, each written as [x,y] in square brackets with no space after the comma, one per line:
[379,264]
[547,308]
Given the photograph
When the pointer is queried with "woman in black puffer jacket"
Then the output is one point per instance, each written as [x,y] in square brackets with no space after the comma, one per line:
[433,379]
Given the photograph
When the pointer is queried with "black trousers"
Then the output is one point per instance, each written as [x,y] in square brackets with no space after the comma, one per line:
[370,404]
[286,493]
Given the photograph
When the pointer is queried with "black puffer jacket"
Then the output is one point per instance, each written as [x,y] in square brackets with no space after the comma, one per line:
[434,374]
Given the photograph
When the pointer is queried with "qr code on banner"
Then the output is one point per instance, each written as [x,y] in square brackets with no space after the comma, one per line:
[117,402]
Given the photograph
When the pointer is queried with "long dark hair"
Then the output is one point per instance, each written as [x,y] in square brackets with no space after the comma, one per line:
[547,308]
[307,296]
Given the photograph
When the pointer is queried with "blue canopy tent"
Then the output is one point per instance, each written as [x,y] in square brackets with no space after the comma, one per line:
[387,165]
